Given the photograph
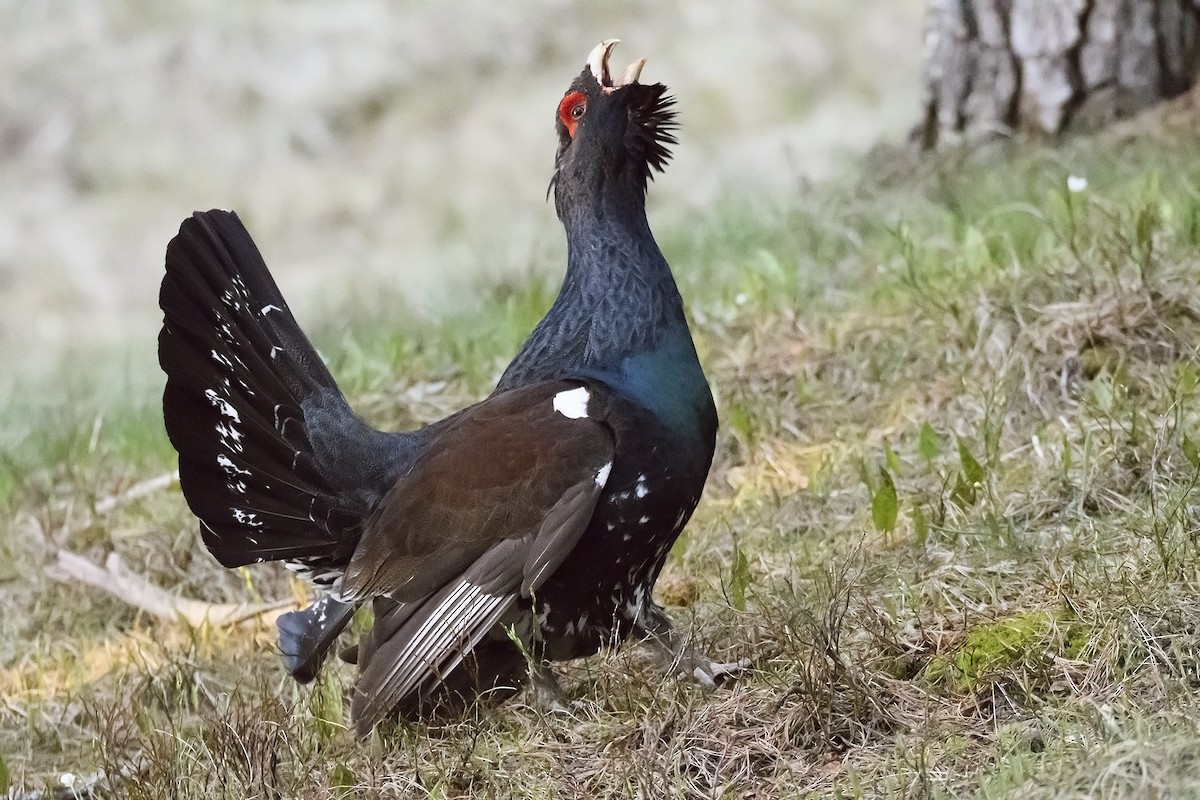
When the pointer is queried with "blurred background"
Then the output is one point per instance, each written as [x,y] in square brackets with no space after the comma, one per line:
[383,152]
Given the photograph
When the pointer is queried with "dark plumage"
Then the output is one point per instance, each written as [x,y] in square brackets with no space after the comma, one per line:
[544,512]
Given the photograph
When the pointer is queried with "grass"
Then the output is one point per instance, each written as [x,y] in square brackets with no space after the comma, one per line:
[954,513]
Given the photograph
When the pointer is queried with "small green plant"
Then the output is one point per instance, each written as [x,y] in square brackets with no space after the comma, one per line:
[1028,361]
[885,506]
[970,479]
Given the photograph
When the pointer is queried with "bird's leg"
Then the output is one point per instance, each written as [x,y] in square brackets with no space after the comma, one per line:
[675,652]
[547,694]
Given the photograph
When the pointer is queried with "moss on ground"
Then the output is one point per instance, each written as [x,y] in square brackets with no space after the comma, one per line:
[953,516]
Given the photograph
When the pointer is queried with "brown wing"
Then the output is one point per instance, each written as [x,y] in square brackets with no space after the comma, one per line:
[512,467]
[500,498]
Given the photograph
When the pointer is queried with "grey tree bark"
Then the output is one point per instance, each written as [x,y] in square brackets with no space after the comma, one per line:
[995,67]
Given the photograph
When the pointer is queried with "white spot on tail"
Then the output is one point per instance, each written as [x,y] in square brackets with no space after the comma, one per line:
[602,475]
[231,437]
[572,403]
[269,308]
[231,469]
[235,473]
[222,405]
[246,517]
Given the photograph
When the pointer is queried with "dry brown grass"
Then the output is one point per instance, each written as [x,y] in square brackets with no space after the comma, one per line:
[1030,383]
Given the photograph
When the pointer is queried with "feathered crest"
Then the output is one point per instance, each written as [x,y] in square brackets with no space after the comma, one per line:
[632,125]
[649,140]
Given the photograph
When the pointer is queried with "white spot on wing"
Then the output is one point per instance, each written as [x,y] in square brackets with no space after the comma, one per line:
[602,474]
[572,403]
[269,308]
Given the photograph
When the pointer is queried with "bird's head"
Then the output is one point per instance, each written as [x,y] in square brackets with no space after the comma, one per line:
[612,133]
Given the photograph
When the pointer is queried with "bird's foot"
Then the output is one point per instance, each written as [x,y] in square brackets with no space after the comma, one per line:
[709,673]
[676,654]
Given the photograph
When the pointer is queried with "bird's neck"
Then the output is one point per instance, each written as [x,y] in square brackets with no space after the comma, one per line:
[618,298]
[612,256]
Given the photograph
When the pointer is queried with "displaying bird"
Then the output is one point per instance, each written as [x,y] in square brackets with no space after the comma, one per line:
[528,528]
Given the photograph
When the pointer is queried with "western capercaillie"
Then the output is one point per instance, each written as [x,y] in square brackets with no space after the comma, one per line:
[544,512]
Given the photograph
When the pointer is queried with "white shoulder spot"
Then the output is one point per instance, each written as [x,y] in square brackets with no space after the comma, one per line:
[572,403]
[602,475]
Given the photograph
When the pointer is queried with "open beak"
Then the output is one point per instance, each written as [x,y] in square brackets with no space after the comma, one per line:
[598,63]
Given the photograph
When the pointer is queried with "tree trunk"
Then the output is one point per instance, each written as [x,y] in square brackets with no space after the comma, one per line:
[994,67]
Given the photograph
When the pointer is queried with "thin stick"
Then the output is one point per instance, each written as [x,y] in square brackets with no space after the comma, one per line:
[140,593]
[141,489]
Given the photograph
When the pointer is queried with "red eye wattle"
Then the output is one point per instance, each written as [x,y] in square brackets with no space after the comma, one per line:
[571,110]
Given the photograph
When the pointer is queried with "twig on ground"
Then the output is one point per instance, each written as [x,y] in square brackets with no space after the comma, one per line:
[135,590]
[141,489]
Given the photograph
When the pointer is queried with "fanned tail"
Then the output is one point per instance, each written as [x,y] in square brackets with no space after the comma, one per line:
[271,458]
[239,375]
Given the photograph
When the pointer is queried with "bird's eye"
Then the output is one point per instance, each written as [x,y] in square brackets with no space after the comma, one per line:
[571,110]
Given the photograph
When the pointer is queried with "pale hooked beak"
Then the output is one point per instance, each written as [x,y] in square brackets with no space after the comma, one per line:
[598,63]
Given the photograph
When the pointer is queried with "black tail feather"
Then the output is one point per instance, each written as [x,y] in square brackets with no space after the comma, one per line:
[240,376]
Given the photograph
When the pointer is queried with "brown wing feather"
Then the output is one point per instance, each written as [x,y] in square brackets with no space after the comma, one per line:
[493,474]
[503,497]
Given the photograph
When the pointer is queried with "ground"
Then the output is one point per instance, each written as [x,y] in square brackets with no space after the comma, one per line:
[953,519]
